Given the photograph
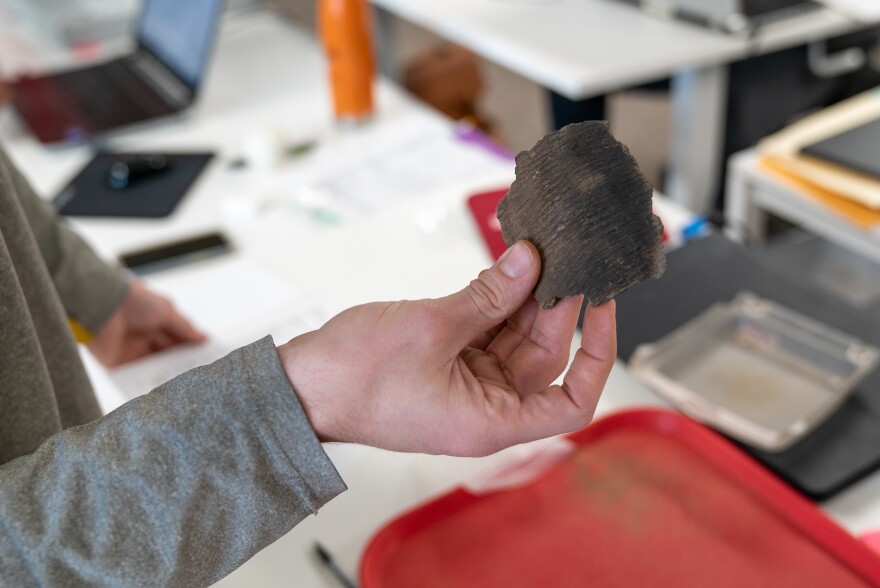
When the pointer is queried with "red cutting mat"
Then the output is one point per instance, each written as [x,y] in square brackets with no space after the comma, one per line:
[649,498]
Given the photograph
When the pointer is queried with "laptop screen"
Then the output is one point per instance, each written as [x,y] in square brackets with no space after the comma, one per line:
[181,34]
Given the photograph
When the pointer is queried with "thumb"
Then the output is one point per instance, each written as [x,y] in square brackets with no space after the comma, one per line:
[494,296]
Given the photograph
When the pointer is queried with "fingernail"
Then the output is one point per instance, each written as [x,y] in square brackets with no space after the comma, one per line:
[516,261]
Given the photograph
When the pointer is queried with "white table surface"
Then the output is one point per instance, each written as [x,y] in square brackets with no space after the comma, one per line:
[582,48]
[268,74]
[752,194]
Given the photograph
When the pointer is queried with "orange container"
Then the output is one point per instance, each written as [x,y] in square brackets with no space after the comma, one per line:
[345,30]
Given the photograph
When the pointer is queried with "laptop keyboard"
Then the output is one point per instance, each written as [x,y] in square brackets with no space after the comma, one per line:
[112,96]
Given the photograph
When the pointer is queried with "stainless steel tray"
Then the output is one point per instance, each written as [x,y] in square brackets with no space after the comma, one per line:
[755,370]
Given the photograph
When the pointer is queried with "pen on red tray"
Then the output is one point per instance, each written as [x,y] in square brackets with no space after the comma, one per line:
[327,559]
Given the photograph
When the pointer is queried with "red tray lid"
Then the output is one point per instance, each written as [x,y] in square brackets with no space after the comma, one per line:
[648,498]
[484,208]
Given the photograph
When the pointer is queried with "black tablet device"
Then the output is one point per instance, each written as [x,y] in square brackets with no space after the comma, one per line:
[855,149]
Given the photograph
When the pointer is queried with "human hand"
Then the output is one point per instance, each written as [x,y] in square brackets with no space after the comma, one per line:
[468,374]
[144,323]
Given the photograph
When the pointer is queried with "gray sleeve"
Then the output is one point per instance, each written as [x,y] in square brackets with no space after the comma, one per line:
[176,488]
[90,290]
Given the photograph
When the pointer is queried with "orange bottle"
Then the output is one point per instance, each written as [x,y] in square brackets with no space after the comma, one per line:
[344,26]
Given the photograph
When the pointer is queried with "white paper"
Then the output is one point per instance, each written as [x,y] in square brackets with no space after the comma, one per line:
[235,301]
[405,168]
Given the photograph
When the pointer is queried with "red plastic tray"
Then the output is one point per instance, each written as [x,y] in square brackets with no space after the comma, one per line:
[648,498]
[484,209]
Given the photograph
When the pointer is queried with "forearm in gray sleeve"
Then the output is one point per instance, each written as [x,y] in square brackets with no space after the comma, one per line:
[90,290]
[176,488]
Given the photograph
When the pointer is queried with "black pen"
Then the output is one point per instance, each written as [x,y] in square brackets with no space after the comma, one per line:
[334,568]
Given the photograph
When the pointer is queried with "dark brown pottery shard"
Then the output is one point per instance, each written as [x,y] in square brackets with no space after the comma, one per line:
[580,198]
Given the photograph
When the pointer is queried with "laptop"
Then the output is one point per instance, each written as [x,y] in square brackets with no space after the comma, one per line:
[161,77]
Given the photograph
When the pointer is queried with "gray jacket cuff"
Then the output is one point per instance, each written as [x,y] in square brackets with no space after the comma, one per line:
[314,474]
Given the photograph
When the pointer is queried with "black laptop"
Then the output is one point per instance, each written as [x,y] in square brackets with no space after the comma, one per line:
[161,78]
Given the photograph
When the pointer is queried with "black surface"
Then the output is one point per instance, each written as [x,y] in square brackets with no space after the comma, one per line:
[194,248]
[153,197]
[856,149]
[762,7]
[842,450]
[566,111]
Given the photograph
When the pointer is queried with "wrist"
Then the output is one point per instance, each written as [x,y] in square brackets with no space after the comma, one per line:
[300,376]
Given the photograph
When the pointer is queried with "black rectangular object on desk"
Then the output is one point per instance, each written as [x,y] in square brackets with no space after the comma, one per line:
[842,450]
[175,254]
[154,196]
[731,16]
[761,7]
[855,149]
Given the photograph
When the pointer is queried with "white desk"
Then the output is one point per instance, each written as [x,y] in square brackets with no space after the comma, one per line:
[267,73]
[585,48]
[752,194]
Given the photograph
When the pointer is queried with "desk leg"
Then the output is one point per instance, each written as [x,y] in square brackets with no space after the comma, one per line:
[384,43]
[699,114]
[566,111]
[744,220]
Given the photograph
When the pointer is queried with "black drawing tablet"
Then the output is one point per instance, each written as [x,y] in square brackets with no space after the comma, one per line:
[855,149]
[152,195]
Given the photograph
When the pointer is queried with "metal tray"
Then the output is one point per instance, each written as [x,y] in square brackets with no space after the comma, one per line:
[755,370]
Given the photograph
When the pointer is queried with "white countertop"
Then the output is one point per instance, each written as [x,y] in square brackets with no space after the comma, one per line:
[582,48]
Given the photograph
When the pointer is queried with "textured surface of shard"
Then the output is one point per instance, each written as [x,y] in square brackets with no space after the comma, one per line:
[580,198]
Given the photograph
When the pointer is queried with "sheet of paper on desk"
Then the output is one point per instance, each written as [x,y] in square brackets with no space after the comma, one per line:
[407,167]
[234,301]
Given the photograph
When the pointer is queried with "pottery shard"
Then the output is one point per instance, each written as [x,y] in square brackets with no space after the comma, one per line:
[580,198]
